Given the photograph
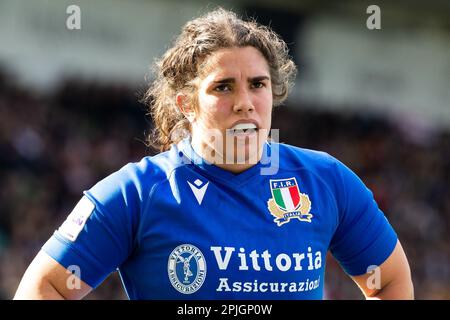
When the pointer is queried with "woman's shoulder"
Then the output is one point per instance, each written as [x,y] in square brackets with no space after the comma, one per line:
[141,175]
[153,168]
[293,156]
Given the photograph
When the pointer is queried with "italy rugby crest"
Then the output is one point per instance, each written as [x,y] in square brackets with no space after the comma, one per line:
[287,202]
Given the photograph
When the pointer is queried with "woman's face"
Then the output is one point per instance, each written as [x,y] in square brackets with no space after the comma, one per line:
[235,99]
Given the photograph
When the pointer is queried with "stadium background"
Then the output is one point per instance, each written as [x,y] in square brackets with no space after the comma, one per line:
[378,100]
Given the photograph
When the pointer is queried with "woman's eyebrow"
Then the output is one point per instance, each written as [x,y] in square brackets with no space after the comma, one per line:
[259,78]
[226,80]
[232,80]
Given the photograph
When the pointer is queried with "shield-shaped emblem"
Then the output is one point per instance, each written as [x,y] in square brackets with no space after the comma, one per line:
[286,194]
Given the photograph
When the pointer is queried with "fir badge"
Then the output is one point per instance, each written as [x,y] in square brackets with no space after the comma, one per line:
[287,202]
[186,268]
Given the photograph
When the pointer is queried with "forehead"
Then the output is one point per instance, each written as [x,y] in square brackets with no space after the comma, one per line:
[233,62]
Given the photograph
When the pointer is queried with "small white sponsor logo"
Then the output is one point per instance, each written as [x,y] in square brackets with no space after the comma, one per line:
[76,220]
[199,192]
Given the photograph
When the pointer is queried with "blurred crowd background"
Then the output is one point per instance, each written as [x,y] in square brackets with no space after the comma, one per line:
[63,130]
[54,146]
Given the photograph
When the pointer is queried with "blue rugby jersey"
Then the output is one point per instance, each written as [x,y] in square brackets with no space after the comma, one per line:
[177,227]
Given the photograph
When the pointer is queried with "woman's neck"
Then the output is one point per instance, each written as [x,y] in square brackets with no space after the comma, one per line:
[216,155]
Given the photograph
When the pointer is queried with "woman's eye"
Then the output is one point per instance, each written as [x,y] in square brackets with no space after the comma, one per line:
[223,88]
[258,85]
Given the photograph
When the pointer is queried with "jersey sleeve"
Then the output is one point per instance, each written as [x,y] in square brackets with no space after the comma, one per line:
[98,235]
[363,237]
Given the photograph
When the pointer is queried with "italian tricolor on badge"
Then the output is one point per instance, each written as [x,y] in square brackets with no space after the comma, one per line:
[287,202]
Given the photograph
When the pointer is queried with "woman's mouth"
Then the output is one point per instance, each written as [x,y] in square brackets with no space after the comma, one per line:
[243,129]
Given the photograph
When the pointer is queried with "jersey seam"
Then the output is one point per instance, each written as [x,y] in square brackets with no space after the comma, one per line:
[150,198]
[102,209]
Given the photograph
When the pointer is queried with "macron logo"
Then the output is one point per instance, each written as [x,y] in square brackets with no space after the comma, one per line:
[199,193]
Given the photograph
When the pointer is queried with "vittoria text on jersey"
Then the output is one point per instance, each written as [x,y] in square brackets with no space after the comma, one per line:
[177,227]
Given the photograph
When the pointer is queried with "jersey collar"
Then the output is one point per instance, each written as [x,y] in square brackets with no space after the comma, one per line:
[185,149]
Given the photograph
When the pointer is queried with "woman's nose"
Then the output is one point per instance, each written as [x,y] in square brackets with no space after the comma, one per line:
[243,103]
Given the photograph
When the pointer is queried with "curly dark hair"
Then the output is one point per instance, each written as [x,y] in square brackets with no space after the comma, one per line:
[181,65]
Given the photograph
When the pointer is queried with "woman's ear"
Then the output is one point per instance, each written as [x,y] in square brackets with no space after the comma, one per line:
[185,106]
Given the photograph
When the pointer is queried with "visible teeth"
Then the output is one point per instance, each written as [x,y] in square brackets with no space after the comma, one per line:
[244,126]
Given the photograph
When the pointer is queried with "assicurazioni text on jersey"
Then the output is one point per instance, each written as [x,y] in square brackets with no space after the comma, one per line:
[177,227]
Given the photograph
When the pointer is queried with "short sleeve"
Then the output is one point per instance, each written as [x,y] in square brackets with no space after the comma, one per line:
[363,237]
[98,235]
